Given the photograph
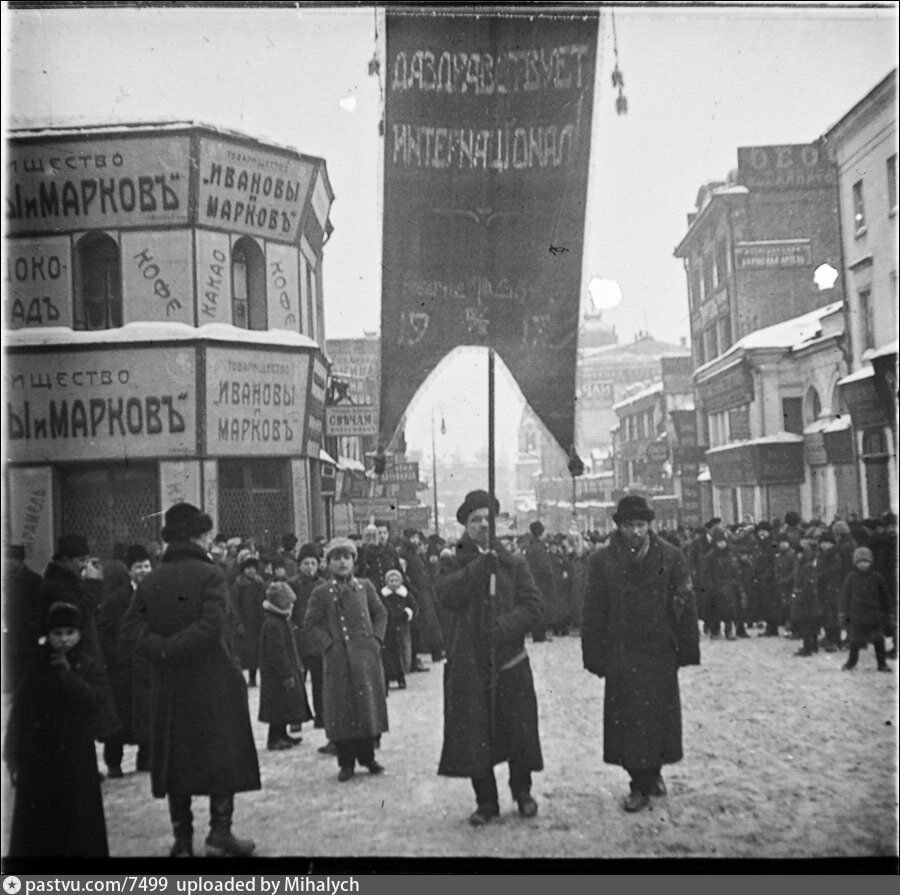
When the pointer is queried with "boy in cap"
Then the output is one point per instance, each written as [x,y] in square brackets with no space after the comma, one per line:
[866,604]
[347,621]
[49,746]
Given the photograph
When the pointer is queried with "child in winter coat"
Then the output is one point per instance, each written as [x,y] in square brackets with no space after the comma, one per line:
[401,609]
[282,696]
[50,749]
[347,620]
[721,574]
[866,603]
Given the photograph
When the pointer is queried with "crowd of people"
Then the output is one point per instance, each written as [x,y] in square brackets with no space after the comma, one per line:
[131,650]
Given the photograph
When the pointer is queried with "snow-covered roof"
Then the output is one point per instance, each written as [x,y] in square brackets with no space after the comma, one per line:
[790,334]
[864,373]
[828,424]
[890,348]
[653,389]
[777,438]
[155,331]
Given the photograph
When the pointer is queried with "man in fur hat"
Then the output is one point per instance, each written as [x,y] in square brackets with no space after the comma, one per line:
[201,738]
[640,626]
[490,707]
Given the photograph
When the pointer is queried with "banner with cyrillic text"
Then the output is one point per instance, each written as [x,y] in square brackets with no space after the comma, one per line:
[487,144]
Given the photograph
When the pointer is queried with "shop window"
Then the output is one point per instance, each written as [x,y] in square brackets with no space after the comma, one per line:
[98,292]
[255,499]
[116,504]
[248,286]
[892,184]
[792,412]
[859,209]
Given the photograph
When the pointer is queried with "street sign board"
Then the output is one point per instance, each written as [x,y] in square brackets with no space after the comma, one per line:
[348,419]
[380,507]
[401,472]
[657,452]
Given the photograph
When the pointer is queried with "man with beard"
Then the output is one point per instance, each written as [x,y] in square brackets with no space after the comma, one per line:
[490,707]
[640,626]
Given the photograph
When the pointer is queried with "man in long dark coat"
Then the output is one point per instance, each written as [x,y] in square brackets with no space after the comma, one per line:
[21,615]
[640,626]
[541,567]
[490,707]
[201,737]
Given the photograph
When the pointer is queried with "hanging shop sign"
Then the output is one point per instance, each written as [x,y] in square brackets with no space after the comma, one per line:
[487,145]
[347,419]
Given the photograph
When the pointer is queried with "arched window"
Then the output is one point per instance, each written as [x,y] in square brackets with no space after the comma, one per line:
[98,283]
[248,285]
[813,409]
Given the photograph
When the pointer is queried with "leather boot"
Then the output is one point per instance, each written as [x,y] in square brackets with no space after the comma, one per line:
[221,842]
[182,826]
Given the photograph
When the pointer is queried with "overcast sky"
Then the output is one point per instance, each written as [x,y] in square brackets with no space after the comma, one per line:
[699,81]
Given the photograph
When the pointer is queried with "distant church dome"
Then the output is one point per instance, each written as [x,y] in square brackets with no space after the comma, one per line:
[594,332]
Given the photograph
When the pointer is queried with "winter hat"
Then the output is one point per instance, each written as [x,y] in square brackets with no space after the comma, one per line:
[136,553]
[247,560]
[308,551]
[827,538]
[717,533]
[280,594]
[340,544]
[289,541]
[62,615]
[72,547]
[764,526]
[791,518]
[393,573]
[476,500]
[633,508]
[536,528]
[840,528]
[862,554]
[184,521]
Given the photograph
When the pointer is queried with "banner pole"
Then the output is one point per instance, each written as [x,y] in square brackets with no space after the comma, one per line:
[493,680]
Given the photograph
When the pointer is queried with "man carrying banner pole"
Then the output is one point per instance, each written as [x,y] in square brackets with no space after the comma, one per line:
[490,707]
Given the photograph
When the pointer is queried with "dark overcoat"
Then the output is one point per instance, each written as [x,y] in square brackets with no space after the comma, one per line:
[540,564]
[765,582]
[640,626]
[247,599]
[805,606]
[347,621]
[722,579]
[279,663]
[22,622]
[49,744]
[469,749]
[425,622]
[397,651]
[201,739]
[829,579]
[60,585]
[303,585]
[866,604]
[119,664]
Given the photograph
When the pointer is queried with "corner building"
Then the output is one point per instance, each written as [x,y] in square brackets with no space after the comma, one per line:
[164,334]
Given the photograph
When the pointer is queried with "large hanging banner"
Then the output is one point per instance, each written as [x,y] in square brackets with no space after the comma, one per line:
[487,144]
